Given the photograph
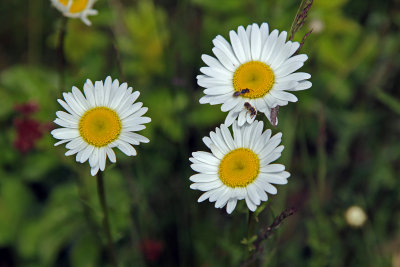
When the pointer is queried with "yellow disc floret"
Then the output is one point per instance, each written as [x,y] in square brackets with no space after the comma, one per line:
[239,168]
[255,76]
[76,6]
[100,126]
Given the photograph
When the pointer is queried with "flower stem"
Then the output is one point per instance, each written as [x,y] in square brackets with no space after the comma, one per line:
[106,224]
[250,232]
[60,52]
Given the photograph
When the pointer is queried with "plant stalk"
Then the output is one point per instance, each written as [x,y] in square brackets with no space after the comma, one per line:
[106,224]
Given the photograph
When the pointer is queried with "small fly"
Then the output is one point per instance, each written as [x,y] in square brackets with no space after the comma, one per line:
[241,92]
[250,109]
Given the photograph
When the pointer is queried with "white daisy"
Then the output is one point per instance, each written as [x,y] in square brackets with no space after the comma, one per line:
[239,167]
[76,9]
[255,69]
[105,117]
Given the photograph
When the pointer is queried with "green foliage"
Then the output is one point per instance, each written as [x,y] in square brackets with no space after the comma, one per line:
[341,138]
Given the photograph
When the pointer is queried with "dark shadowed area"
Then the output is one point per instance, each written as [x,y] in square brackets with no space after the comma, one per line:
[341,138]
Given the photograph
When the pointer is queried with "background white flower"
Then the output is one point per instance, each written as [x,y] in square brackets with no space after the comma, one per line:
[105,117]
[76,9]
[239,167]
[256,68]
[355,216]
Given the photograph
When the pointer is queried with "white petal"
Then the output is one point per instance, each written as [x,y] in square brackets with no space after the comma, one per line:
[211,82]
[298,58]
[65,124]
[80,98]
[287,85]
[256,134]
[303,86]
[281,56]
[75,143]
[62,142]
[264,30]
[94,158]
[218,90]
[245,42]
[102,158]
[206,186]
[237,134]
[270,158]
[107,91]
[207,141]
[126,148]
[65,133]
[250,204]
[138,137]
[267,186]
[255,42]
[206,195]
[297,76]
[272,168]
[231,205]
[217,73]
[221,43]
[252,194]
[223,199]
[271,145]
[237,47]
[216,151]
[275,51]
[67,117]
[88,88]
[69,98]
[224,59]
[94,170]
[205,168]
[131,111]
[126,101]
[230,118]
[86,153]
[294,48]
[131,121]
[118,95]
[260,191]
[269,45]
[212,62]
[206,157]
[203,178]
[242,118]
[288,68]
[274,178]
[218,140]
[134,128]
[284,96]
[111,154]
[99,93]
[227,137]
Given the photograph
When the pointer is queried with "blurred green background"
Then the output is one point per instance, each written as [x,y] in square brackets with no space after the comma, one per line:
[341,139]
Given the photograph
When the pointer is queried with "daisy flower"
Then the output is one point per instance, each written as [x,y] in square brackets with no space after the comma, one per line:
[240,167]
[253,73]
[106,116]
[76,9]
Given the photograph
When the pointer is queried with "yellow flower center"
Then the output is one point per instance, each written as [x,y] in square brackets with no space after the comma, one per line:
[255,76]
[239,168]
[77,5]
[100,126]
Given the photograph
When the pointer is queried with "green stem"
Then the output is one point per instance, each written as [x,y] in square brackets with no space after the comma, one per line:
[106,224]
[250,233]
[321,154]
[60,52]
